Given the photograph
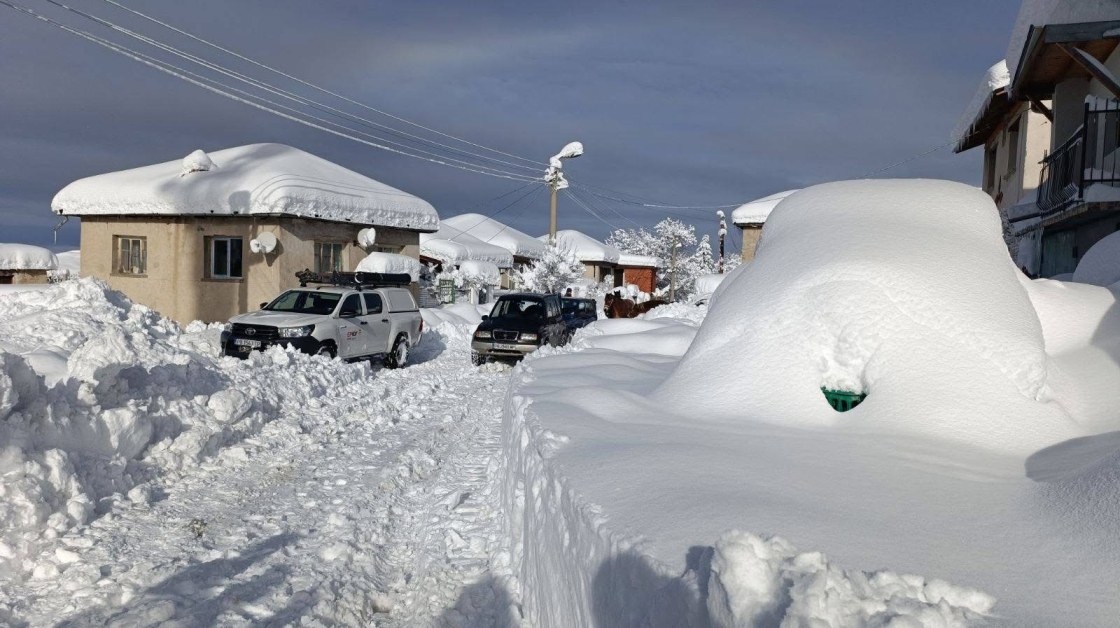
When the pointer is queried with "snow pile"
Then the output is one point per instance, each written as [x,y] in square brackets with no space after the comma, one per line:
[997,77]
[584,247]
[757,211]
[1044,12]
[26,257]
[99,396]
[457,314]
[756,582]
[378,262]
[631,260]
[198,161]
[904,308]
[451,245]
[264,179]
[707,284]
[493,232]
[1100,265]
[485,272]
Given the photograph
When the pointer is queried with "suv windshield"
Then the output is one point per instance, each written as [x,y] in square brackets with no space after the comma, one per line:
[518,308]
[304,302]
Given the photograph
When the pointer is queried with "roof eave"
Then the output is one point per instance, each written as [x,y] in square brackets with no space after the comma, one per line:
[999,105]
[1043,43]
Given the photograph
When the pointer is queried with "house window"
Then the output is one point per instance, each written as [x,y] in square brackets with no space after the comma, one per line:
[1012,147]
[990,168]
[385,248]
[328,257]
[131,255]
[225,258]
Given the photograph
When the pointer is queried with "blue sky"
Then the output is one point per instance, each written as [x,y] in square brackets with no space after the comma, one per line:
[689,103]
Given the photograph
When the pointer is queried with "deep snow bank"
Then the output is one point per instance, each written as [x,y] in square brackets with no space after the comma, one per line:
[578,568]
[901,289]
[100,396]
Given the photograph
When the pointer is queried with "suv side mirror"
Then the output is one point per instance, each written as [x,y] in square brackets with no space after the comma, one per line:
[485,316]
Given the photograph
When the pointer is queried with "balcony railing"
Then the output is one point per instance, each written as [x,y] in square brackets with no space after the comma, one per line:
[1087,158]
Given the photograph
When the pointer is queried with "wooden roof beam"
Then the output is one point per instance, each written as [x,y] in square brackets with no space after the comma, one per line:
[1040,107]
[1093,67]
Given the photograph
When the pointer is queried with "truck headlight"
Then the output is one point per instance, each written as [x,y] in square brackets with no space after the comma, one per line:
[528,337]
[296,332]
[482,333]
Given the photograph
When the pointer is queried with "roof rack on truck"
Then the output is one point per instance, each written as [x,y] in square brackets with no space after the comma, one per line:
[358,280]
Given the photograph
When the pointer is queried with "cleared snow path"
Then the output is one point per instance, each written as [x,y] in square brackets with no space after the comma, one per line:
[375,507]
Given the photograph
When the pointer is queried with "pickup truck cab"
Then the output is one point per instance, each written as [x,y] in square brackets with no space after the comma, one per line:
[348,321]
[517,325]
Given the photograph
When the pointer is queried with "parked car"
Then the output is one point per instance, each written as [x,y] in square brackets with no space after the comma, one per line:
[517,325]
[578,313]
[356,321]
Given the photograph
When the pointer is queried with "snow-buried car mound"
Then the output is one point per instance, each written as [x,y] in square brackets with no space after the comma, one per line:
[902,290]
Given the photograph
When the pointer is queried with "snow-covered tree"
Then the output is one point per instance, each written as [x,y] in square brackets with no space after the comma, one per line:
[554,271]
[693,257]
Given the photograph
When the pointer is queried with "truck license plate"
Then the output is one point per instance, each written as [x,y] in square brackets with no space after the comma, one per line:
[505,347]
[245,342]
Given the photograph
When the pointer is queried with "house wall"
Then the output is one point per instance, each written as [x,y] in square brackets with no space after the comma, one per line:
[1069,109]
[751,235]
[176,282]
[644,278]
[23,276]
[1018,168]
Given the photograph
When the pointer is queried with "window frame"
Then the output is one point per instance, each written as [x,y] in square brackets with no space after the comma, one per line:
[211,257]
[1014,144]
[337,261]
[367,297]
[118,269]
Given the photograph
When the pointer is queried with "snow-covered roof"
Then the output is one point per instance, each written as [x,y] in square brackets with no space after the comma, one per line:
[258,179]
[643,261]
[489,272]
[379,262]
[584,247]
[493,232]
[997,78]
[757,211]
[26,257]
[453,245]
[1046,12]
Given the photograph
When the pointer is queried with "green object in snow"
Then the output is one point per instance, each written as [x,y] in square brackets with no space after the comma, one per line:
[842,400]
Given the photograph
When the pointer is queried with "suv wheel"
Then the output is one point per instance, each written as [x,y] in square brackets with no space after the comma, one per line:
[399,355]
[477,358]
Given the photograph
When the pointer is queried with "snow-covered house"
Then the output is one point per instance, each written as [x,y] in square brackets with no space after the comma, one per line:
[24,263]
[603,262]
[523,247]
[1063,62]
[213,235]
[751,216]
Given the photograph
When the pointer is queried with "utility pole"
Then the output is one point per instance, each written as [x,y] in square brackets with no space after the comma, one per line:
[673,272]
[554,177]
[722,235]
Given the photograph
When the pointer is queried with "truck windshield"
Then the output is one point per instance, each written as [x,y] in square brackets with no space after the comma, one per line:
[518,308]
[304,302]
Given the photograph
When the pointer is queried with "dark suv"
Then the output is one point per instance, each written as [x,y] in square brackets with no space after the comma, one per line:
[519,324]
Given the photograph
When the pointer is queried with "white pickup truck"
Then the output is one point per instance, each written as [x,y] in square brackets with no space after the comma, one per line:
[349,318]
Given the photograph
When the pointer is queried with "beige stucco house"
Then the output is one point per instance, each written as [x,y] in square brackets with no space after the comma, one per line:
[216,235]
[1050,132]
[751,216]
[25,264]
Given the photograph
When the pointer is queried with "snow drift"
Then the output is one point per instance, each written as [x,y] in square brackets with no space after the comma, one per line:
[900,289]
[1100,265]
[26,257]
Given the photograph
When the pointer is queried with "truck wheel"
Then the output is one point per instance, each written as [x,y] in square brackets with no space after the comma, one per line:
[399,355]
[477,358]
[327,350]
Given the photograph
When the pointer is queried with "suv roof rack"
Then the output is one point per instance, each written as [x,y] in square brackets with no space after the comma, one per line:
[356,280]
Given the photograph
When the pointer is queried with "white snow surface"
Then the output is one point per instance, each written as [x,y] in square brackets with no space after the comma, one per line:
[707,284]
[997,77]
[257,179]
[493,232]
[584,247]
[757,211]
[1044,12]
[632,260]
[1100,265]
[197,161]
[485,271]
[453,245]
[15,256]
[379,262]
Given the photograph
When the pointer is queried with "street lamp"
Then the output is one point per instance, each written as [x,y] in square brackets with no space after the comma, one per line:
[554,177]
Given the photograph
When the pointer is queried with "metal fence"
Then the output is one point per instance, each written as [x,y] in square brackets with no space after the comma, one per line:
[1089,157]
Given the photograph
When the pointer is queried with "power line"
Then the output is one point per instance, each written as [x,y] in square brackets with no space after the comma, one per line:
[608,207]
[588,209]
[263,85]
[179,73]
[535,163]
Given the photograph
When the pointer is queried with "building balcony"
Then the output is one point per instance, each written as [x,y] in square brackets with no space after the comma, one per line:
[1086,167]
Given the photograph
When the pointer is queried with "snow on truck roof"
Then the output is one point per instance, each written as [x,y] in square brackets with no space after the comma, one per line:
[258,179]
[584,247]
[493,232]
[26,257]
[757,211]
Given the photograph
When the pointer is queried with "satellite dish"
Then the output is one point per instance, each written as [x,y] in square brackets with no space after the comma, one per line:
[266,242]
[255,245]
[367,237]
